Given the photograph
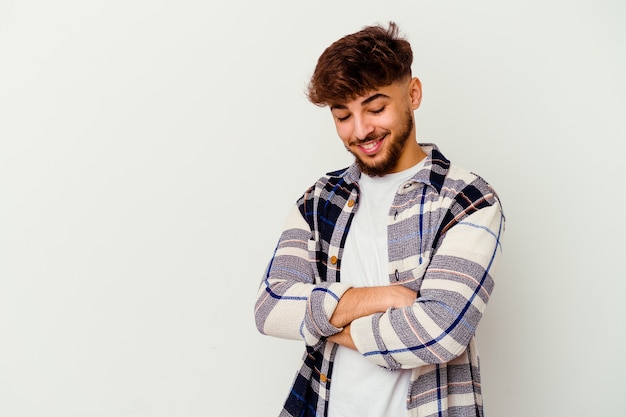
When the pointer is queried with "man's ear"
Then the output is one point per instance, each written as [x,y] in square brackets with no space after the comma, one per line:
[415,92]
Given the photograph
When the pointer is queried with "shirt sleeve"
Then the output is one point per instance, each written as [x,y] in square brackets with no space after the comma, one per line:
[457,283]
[291,302]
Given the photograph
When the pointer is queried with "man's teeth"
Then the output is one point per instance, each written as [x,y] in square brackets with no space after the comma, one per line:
[369,145]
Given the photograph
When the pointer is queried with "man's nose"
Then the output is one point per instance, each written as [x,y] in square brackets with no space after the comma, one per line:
[362,127]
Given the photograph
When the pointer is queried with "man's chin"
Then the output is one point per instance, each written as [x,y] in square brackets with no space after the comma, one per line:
[373,170]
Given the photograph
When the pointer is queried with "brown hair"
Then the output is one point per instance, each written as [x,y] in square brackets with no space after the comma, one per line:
[360,62]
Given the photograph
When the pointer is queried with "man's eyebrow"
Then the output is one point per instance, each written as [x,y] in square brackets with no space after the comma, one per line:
[338,106]
[363,103]
[372,98]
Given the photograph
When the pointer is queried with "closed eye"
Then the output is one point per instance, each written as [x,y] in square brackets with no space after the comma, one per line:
[377,111]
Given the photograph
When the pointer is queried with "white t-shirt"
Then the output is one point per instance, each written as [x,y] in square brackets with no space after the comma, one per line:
[360,387]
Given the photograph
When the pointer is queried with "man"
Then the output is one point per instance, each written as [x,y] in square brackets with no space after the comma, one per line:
[384,268]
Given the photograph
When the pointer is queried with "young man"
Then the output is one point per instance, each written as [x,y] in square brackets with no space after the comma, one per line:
[384,268]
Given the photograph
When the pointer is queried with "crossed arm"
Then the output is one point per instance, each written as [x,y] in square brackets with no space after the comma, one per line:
[388,324]
[291,305]
[361,302]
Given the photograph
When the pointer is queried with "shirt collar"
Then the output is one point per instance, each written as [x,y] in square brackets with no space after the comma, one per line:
[433,173]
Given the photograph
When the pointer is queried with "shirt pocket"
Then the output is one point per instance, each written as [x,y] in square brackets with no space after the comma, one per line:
[315,251]
[414,274]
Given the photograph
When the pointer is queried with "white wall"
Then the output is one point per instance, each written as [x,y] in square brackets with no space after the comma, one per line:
[138,142]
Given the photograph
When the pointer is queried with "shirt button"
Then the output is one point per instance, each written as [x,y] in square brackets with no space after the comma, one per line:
[333,260]
[323,378]
[350,203]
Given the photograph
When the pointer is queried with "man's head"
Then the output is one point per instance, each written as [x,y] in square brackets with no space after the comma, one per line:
[358,63]
[365,79]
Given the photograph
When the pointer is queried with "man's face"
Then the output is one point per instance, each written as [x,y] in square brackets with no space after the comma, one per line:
[378,128]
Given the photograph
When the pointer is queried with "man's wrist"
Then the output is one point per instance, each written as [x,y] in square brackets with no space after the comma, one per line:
[359,302]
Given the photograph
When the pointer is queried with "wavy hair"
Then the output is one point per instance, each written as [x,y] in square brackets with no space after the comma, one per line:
[371,58]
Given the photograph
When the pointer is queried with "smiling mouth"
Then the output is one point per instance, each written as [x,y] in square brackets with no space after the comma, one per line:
[372,146]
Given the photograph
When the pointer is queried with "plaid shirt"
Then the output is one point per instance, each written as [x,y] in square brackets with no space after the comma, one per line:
[444,230]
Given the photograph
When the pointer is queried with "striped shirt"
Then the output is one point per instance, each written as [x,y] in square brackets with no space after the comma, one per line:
[444,237]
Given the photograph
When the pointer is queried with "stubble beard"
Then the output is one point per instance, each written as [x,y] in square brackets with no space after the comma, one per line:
[393,153]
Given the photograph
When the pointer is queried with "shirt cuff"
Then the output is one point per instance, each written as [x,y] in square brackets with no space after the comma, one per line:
[321,306]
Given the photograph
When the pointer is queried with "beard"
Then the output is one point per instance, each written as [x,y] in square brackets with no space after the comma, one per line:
[393,152]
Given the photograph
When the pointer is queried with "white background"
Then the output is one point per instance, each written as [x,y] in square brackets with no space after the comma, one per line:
[150,151]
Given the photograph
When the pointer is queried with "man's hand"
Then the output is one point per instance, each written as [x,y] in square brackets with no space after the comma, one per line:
[343,338]
[364,301]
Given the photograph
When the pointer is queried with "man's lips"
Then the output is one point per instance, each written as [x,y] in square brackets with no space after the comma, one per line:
[372,146]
